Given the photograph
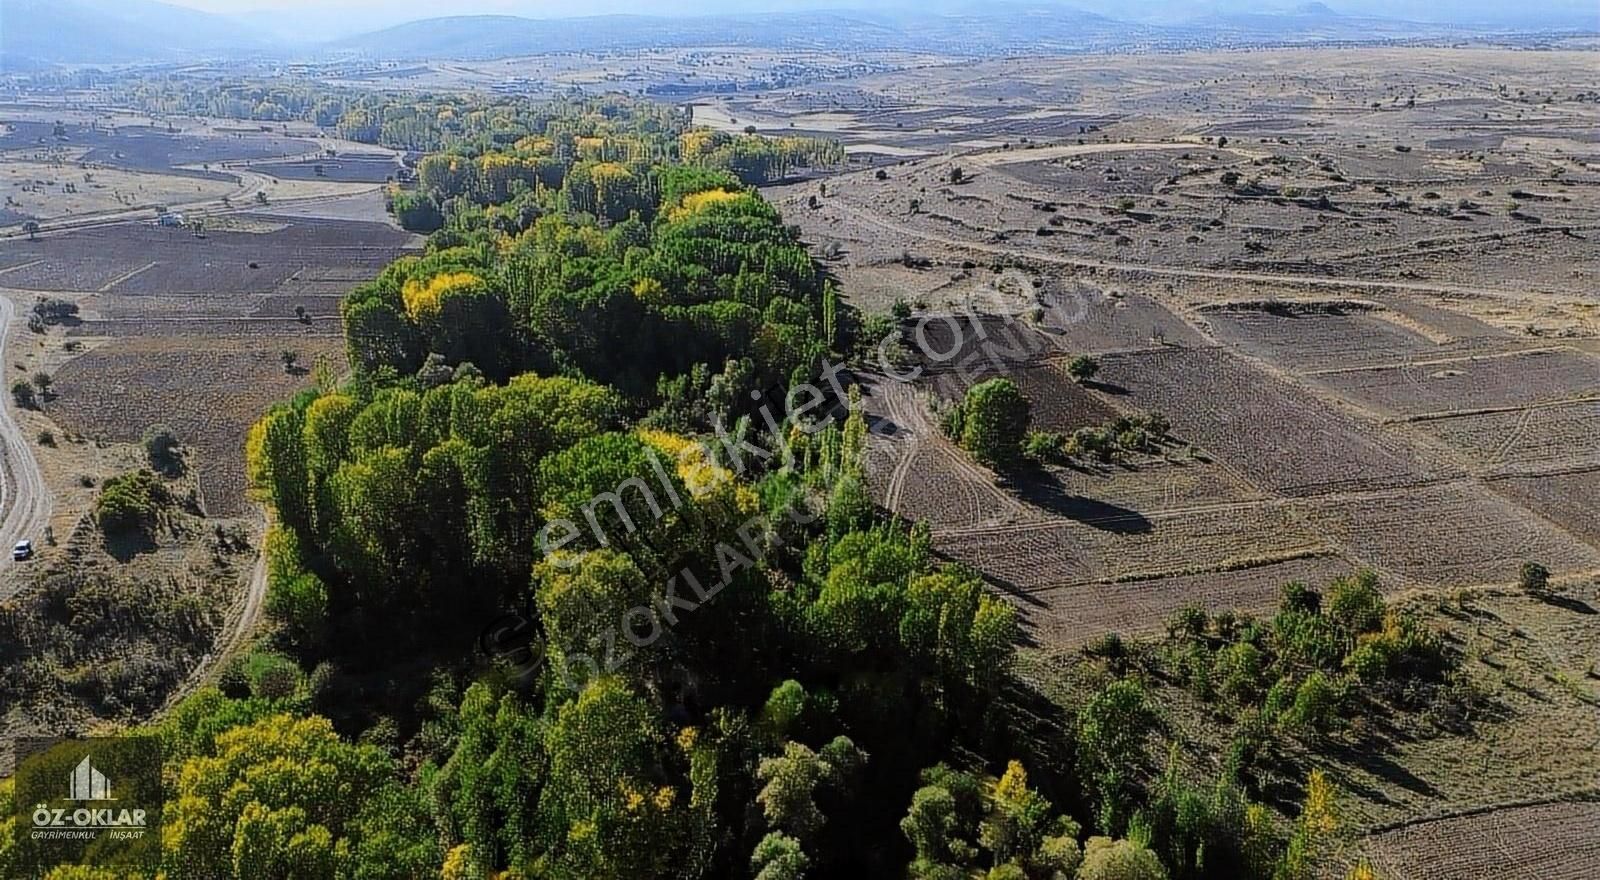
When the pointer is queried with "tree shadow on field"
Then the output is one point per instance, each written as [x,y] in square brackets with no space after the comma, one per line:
[123,546]
[1014,590]
[1576,606]
[1106,388]
[881,426]
[1045,491]
[1383,767]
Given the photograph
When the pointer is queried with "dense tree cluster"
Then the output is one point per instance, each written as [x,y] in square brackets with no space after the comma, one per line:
[630,276]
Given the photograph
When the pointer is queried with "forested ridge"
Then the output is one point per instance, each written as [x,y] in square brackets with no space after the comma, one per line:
[449,120]
[566,581]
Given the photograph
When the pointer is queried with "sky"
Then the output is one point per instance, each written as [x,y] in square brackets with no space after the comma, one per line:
[1422,10]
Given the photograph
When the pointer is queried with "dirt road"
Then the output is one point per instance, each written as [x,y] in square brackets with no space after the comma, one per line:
[241,622]
[25,503]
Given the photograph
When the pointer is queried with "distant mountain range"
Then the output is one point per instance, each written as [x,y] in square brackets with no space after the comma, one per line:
[35,32]
[42,33]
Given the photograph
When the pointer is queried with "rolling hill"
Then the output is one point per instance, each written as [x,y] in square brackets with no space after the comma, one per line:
[38,32]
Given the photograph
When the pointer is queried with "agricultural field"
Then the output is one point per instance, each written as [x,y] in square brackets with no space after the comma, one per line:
[197,326]
[1511,843]
[1360,305]
[207,388]
[1367,310]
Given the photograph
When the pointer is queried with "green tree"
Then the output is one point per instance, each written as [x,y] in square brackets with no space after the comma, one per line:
[994,421]
[779,857]
[1534,579]
[275,799]
[1112,728]
[1107,859]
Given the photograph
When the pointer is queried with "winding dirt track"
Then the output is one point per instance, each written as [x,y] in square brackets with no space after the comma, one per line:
[25,503]
[238,628]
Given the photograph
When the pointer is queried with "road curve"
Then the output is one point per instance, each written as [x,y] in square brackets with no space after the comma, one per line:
[235,632]
[25,502]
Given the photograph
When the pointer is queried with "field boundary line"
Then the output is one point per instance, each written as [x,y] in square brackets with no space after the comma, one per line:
[1441,415]
[1556,470]
[1439,362]
[20,266]
[1586,796]
[1225,567]
[126,275]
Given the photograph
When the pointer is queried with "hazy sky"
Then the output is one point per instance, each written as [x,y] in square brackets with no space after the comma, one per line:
[1436,10]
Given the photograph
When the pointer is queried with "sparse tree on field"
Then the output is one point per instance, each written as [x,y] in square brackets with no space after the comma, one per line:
[290,360]
[1535,579]
[23,395]
[994,421]
[42,381]
[1083,368]
[162,448]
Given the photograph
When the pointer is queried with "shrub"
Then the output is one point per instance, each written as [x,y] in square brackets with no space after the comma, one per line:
[1242,669]
[162,449]
[273,676]
[130,502]
[1305,639]
[1316,706]
[51,310]
[1296,596]
[1356,603]
[232,680]
[23,395]
[1190,621]
[1534,578]
[1046,447]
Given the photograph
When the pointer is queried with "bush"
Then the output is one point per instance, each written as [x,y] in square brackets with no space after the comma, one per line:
[1046,447]
[1534,578]
[273,676]
[1108,647]
[1296,596]
[162,449]
[1356,603]
[232,680]
[1190,621]
[23,395]
[50,310]
[130,502]
[1083,368]
[1242,668]
[1317,704]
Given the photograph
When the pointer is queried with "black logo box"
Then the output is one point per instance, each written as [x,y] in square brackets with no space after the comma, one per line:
[106,813]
